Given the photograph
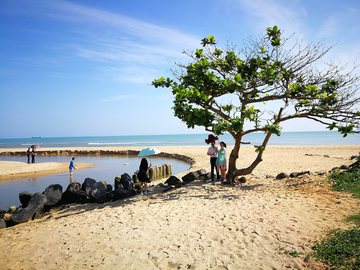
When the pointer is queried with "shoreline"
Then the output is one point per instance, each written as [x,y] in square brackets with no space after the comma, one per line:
[200,225]
[293,158]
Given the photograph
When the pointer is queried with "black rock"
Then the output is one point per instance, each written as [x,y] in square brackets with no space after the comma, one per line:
[173,180]
[24,198]
[191,176]
[53,194]
[108,188]
[86,186]
[36,203]
[120,194]
[282,176]
[73,194]
[97,192]
[2,223]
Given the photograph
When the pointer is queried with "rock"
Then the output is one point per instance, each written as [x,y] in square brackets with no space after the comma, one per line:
[36,203]
[191,176]
[295,174]
[73,194]
[120,194]
[269,176]
[7,217]
[282,176]
[2,224]
[242,180]
[173,180]
[97,192]
[117,183]
[86,186]
[108,188]
[12,209]
[201,172]
[53,194]
[24,198]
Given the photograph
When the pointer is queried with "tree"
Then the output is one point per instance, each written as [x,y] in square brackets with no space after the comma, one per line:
[225,91]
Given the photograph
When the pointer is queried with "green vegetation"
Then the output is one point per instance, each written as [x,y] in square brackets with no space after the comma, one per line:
[349,181]
[340,249]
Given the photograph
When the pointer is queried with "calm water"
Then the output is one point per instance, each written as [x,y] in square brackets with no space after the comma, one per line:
[286,138]
[108,168]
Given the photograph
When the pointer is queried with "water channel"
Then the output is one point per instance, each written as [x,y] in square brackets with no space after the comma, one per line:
[108,167]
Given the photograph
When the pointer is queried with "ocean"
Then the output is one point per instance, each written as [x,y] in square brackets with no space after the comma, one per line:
[286,138]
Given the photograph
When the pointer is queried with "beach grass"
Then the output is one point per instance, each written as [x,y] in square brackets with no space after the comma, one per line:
[342,248]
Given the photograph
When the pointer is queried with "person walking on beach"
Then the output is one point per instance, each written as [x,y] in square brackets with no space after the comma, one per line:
[72,165]
[33,156]
[28,152]
[221,160]
[212,152]
[143,175]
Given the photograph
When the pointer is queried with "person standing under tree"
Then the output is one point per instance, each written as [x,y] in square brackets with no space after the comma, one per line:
[221,160]
[212,152]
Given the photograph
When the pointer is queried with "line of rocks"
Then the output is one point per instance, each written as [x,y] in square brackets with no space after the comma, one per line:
[187,159]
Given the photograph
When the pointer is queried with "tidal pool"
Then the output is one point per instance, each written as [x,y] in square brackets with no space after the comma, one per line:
[107,169]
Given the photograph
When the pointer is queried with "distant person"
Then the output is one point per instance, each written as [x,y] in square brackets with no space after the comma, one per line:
[143,175]
[212,152]
[28,153]
[221,160]
[72,165]
[33,156]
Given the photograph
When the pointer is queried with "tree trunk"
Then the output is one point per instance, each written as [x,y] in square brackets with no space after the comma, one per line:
[233,171]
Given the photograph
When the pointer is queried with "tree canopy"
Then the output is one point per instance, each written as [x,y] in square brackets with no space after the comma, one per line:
[235,91]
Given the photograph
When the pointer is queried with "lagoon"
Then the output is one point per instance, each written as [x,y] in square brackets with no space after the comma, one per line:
[107,169]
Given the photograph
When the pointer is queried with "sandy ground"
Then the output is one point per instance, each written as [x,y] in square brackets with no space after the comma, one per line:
[14,170]
[198,226]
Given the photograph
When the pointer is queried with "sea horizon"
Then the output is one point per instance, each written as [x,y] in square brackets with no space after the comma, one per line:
[286,138]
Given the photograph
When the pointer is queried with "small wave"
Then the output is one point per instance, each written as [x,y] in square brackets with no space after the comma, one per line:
[30,143]
[109,143]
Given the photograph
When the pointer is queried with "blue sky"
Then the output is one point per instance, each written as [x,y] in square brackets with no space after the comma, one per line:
[84,67]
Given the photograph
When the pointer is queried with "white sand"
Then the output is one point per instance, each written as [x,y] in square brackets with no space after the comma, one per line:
[198,226]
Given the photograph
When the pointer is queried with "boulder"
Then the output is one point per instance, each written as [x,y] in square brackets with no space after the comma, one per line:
[119,194]
[297,174]
[36,203]
[201,172]
[282,176]
[86,186]
[191,176]
[173,180]
[73,194]
[2,223]
[117,183]
[53,194]
[24,198]
[108,187]
[97,192]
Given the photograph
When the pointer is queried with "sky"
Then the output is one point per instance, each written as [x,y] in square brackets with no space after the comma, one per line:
[85,67]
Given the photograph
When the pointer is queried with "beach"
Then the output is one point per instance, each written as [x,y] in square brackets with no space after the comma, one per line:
[198,226]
